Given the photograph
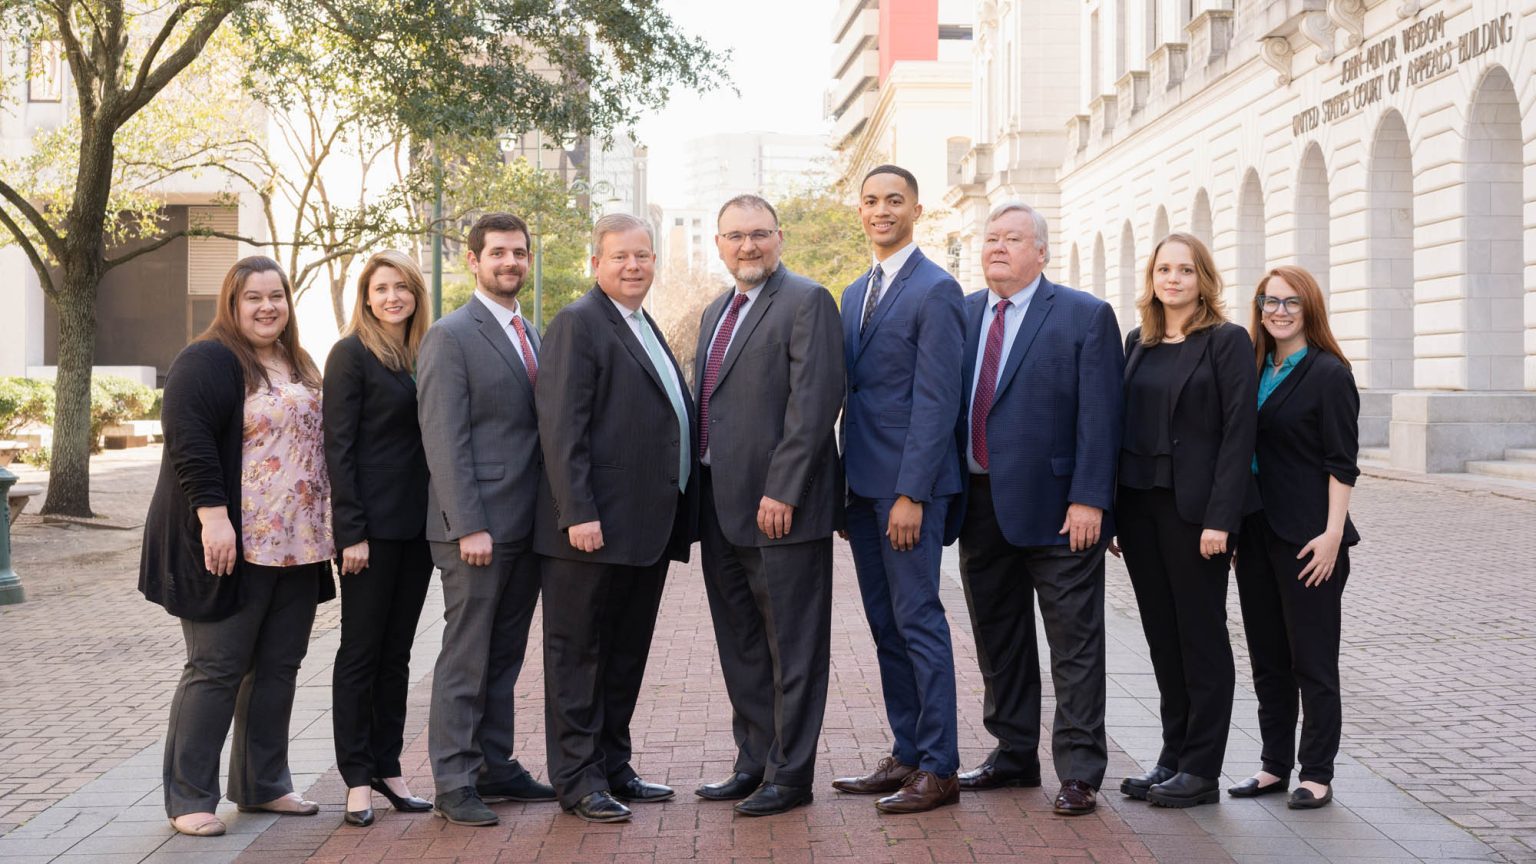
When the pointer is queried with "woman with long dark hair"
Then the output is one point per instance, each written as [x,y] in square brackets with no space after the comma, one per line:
[1190,388]
[1293,552]
[379,505]
[237,544]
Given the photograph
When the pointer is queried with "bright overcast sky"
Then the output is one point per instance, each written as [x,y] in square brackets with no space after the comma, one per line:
[780,50]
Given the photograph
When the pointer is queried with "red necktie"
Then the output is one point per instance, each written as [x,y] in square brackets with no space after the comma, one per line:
[522,340]
[986,384]
[712,366]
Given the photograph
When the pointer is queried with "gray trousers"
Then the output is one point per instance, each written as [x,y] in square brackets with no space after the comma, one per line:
[486,615]
[244,668]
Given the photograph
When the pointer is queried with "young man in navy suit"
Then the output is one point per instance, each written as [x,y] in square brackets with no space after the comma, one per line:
[902,334]
[1040,438]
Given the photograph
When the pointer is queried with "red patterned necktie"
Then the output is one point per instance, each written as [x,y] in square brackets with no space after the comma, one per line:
[986,384]
[522,340]
[712,366]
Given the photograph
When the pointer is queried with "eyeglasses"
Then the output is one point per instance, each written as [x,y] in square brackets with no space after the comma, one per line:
[1271,305]
[759,236]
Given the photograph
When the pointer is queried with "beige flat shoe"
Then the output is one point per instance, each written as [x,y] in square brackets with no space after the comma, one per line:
[288,805]
[198,825]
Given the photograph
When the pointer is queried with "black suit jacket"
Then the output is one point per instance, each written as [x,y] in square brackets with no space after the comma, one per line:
[372,448]
[1214,412]
[1309,430]
[773,414]
[610,441]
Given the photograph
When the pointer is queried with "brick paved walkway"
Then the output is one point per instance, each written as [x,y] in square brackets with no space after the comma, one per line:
[1438,678]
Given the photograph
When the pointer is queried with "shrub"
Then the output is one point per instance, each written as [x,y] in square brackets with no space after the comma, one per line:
[38,457]
[116,400]
[24,401]
[154,410]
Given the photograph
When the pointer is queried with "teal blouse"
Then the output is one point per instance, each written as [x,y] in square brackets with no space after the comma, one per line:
[1270,378]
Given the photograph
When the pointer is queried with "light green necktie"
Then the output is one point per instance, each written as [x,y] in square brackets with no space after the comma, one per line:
[668,381]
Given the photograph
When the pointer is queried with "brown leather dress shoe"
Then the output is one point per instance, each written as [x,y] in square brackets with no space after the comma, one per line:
[1076,798]
[888,777]
[922,792]
[986,776]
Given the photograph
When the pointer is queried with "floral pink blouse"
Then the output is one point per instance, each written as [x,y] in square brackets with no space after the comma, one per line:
[285,494]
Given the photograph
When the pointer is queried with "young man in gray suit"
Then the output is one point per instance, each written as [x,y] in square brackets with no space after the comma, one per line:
[616,509]
[475,381]
[770,383]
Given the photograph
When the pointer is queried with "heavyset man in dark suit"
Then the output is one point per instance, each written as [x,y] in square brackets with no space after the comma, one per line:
[618,505]
[476,374]
[1039,438]
[902,332]
[770,383]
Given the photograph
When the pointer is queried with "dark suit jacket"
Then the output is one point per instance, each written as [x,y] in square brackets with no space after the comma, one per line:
[478,427]
[773,413]
[1053,434]
[372,448]
[1214,411]
[904,385]
[204,419]
[1309,430]
[610,441]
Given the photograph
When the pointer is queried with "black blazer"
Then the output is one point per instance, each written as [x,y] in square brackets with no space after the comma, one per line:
[610,440]
[203,415]
[1216,394]
[372,448]
[1309,430]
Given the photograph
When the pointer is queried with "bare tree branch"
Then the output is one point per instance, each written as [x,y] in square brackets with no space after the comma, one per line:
[25,242]
[51,238]
[157,43]
[128,103]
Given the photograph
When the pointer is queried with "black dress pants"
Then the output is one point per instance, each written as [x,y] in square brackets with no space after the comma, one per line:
[1183,602]
[380,608]
[598,622]
[1293,645]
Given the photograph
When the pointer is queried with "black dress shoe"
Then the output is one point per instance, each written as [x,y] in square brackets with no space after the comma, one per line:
[1303,799]
[1250,788]
[519,787]
[771,798]
[637,791]
[735,787]
[360,818]
[463,807]
[599,806]
[1185,790]
[407,804]
[1137,786]
[986,776]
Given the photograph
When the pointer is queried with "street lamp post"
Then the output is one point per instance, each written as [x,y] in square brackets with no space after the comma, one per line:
[10,584]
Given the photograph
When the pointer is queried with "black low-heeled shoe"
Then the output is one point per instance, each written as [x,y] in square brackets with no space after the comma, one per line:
[1303,799]
[360,818]
[1250,788]
[408,804]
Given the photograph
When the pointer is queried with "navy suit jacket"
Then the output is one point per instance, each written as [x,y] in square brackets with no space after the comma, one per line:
[1053,434]
[904,385]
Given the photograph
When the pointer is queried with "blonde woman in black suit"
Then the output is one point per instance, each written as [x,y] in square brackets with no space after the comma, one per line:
[1294,552]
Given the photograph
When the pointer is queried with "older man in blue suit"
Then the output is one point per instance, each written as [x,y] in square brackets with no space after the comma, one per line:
[902,336]
[1040,438]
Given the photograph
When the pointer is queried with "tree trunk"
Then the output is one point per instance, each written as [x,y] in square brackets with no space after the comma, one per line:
[339,285]
[69,482]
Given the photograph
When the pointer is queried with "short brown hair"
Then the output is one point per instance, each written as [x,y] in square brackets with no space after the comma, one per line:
[749,201]
[615,223]
[1211,309]
[496,222]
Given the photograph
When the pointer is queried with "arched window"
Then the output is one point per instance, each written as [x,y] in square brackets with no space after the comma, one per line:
[1494,256]
[1389,295]
[1312,243]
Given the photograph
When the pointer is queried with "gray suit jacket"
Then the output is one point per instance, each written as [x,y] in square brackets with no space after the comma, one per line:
[611,441]
[774,408]
[478,427]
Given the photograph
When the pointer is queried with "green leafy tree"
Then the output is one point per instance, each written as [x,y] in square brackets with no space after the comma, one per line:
[823,239]
[407,66]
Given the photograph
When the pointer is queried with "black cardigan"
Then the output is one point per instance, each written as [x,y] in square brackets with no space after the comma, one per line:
[372,449]
[1309,430]
[203,415]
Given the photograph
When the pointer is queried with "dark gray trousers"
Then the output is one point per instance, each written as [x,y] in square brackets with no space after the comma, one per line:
[486,613]
[772,609]
[244,667]
[1001,581]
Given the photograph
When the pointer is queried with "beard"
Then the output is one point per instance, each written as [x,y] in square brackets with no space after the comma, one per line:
[752,272]
[492,285]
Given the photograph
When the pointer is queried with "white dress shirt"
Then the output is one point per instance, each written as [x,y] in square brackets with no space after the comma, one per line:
[504,317]
[1018,304]
[889,268]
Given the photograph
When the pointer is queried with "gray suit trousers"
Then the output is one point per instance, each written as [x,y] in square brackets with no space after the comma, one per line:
[486,615]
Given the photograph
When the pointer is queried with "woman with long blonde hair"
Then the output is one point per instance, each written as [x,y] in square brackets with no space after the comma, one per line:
[379,500]
[1190,388]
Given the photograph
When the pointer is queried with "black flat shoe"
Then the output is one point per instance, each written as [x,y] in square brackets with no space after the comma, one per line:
[734,788]
[360,818]
[1303,799]
[1250,788]
[519,787]
[1137,787]
[1185,790]
[463,807]
[771,798]
[637,791]
[600,807]
[408,804]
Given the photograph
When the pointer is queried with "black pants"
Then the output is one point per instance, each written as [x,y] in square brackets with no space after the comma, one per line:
[1001,581]
[1293,644]
[380,608]
[1183,603]
[598,621]
[772,611]
[246,668]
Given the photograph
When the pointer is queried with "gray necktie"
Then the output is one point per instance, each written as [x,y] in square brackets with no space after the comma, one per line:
[872,298]
[663,369]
